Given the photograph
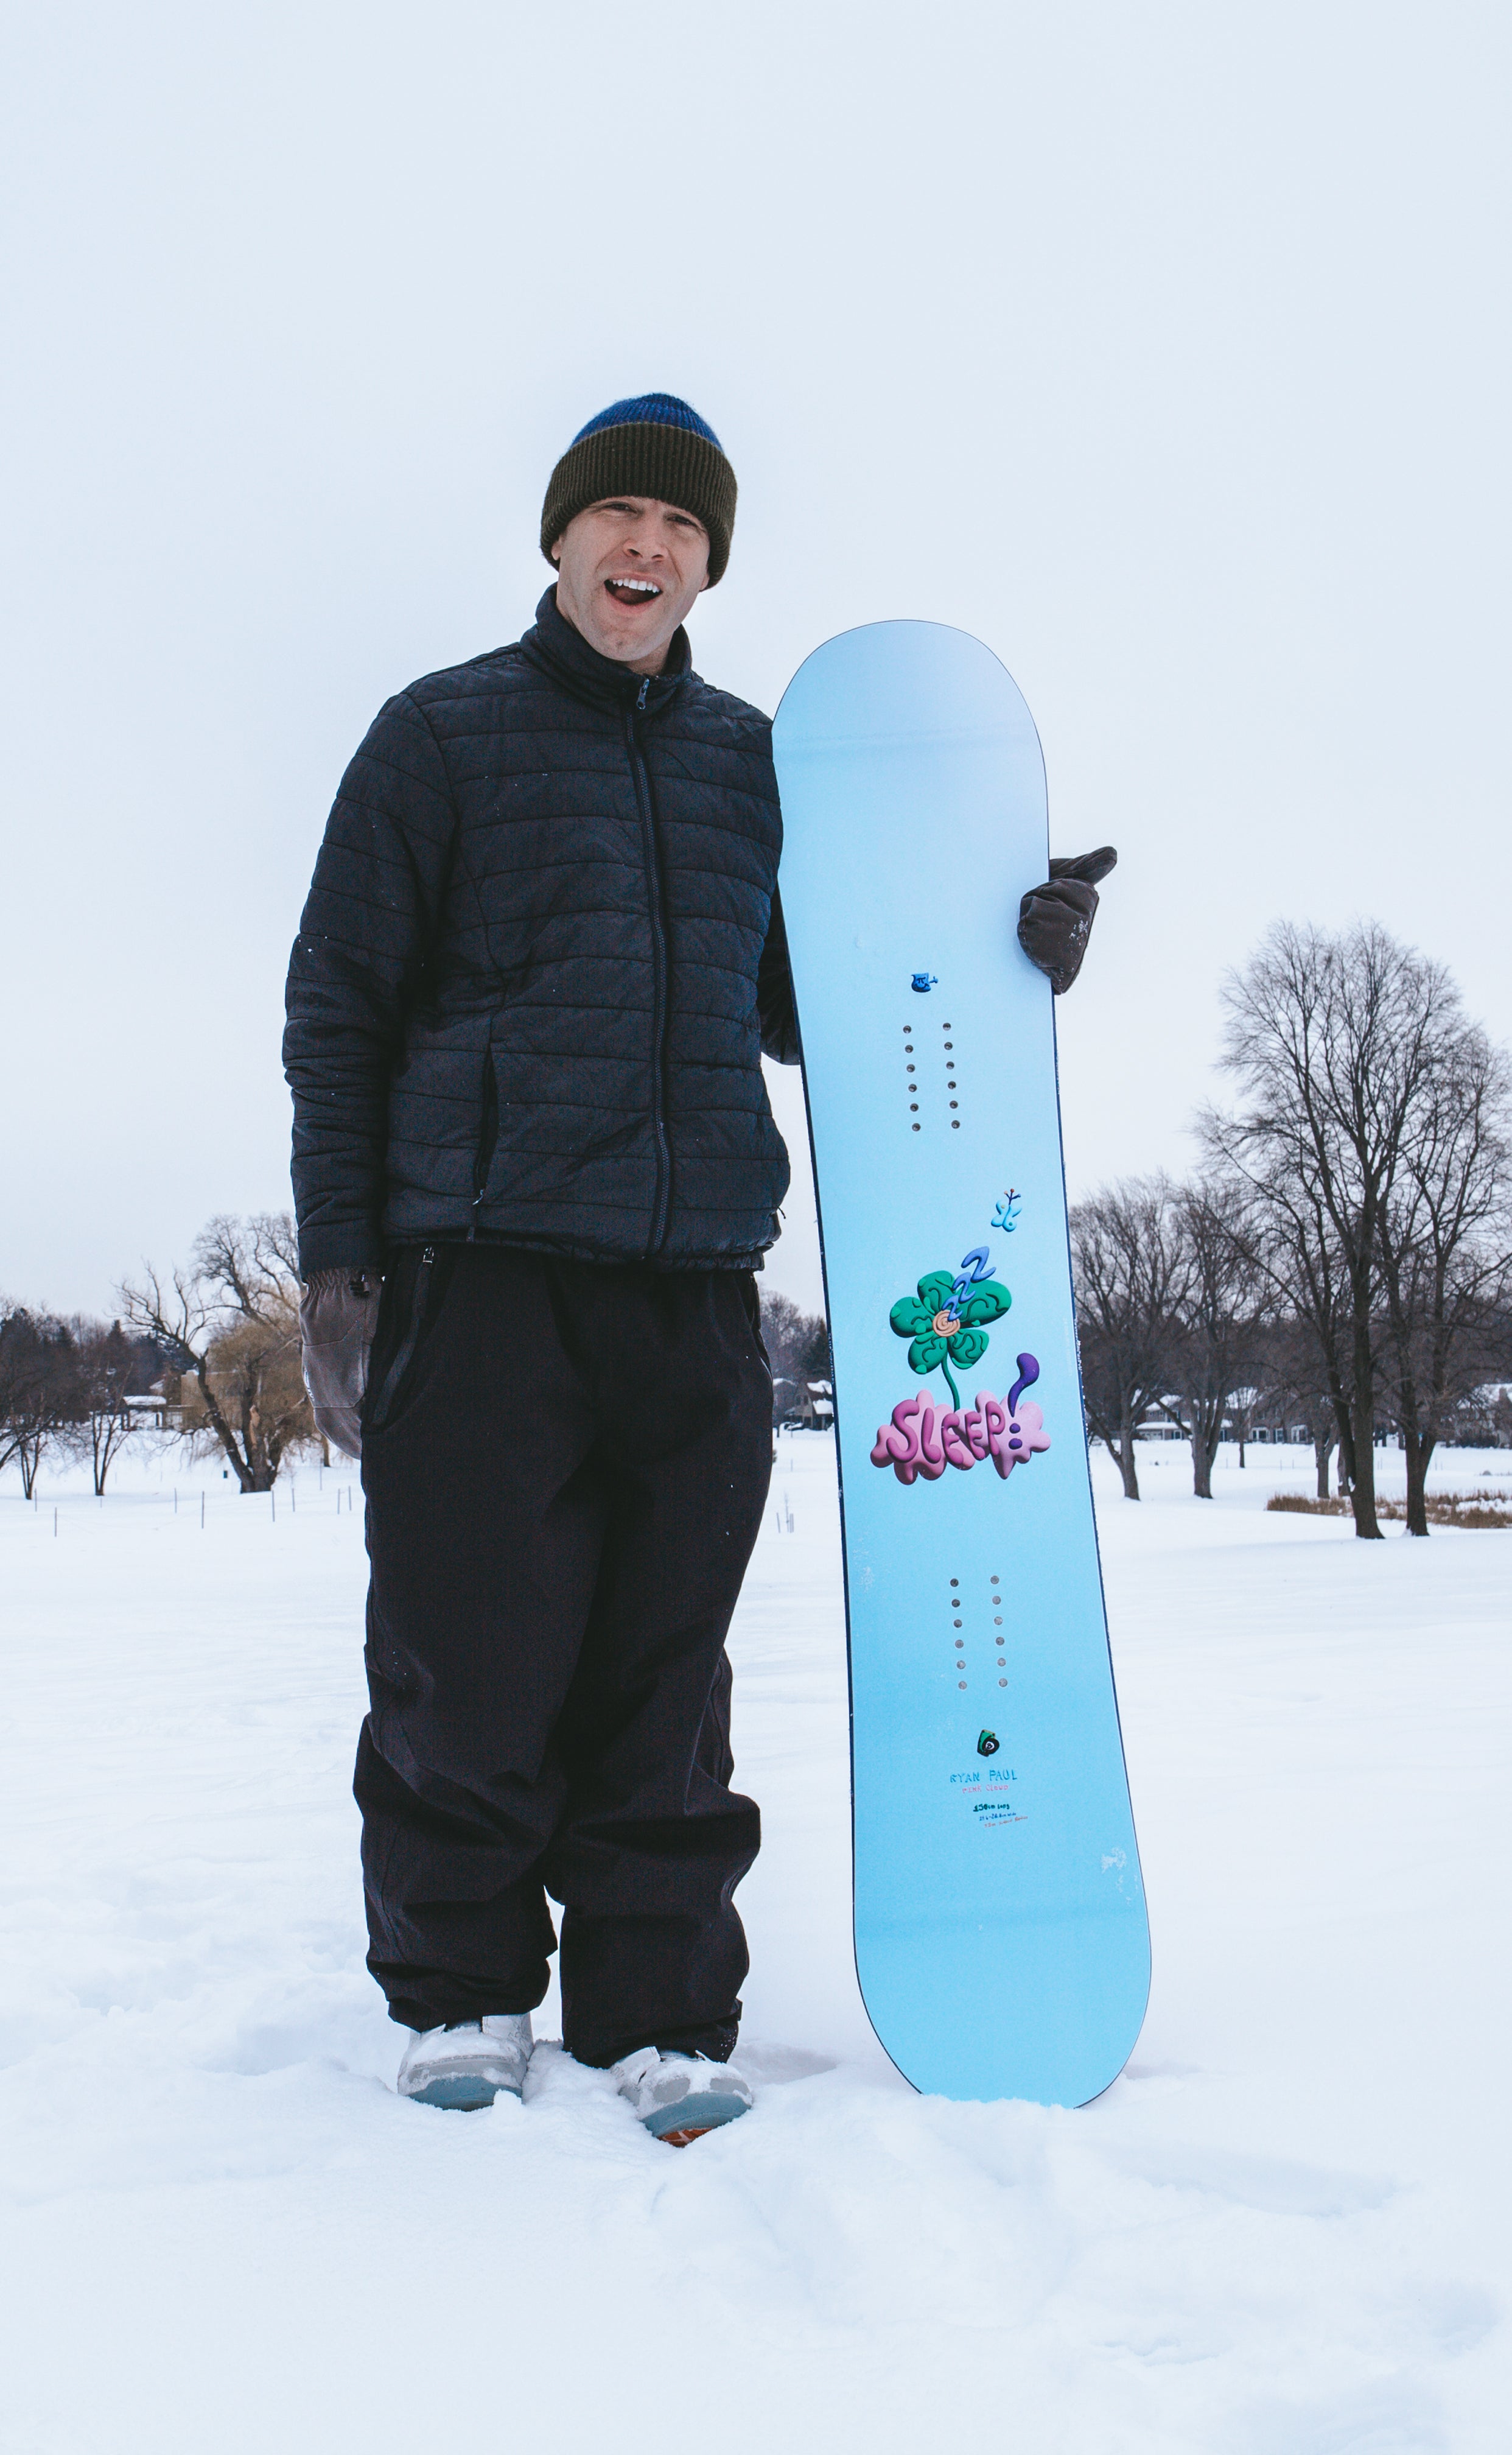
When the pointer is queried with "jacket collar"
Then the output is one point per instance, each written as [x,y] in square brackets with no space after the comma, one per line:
[556,649]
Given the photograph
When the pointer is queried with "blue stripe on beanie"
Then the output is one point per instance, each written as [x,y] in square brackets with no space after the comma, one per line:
[651,409]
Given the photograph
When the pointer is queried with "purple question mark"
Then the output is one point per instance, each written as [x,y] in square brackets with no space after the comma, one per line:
[1028,1375]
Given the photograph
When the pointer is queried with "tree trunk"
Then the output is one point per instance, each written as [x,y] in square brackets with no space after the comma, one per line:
[1126,1454]
[223,1431]
[1362,1482]
[1418,1452]
[108,1433]
[1322,1452]
[1205,1450]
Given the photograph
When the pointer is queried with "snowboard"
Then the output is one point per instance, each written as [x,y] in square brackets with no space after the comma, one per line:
[999,1924]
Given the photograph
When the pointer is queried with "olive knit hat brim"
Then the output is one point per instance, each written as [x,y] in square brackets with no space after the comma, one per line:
[654,445]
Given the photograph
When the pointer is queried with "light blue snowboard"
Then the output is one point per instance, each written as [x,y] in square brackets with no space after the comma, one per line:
[1001,1936]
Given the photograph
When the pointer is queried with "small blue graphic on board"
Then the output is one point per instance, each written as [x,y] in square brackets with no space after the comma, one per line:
[975,1266]
[924,981]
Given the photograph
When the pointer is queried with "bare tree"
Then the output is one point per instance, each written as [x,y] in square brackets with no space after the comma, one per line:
[100,1426]
[1299,1376]
[1445,1240]
[1331,1040]
[1289,1238]
[37,1365]
[1217,1320]
[1130,1268]
[230,1325]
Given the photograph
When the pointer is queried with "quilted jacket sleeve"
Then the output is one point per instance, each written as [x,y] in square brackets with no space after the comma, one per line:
[779,1022]
[378,885]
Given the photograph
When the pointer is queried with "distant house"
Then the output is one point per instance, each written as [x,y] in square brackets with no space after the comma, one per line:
[803,1405]
[161,1407]
[1168,1423]
[1484,1420]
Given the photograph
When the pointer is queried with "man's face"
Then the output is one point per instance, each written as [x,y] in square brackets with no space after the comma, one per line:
[630,570]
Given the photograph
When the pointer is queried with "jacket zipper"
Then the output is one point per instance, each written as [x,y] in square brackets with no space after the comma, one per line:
[486,1142]
[409,1342]
[658,946]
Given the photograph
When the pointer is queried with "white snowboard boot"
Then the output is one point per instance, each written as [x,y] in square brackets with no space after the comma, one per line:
[465,2065]
[680,2097]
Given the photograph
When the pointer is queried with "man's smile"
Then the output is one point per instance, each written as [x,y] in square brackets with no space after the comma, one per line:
[633,592]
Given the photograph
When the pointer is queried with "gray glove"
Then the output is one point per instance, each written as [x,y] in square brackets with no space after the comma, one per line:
[338,1313]
[1055,920]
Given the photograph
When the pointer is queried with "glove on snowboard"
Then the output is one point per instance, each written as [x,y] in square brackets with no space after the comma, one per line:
[338,1313]
[1055,920]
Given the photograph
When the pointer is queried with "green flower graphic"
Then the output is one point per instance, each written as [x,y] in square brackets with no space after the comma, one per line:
[943,1327]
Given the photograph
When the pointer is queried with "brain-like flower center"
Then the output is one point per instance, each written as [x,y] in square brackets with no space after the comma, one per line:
[944,1324]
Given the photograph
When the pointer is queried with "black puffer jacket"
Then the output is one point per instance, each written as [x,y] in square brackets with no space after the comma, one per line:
[540,962]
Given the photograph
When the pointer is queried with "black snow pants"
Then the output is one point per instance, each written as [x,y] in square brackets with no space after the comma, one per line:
[565,1465]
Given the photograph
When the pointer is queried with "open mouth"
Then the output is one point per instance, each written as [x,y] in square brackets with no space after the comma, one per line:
[633,592]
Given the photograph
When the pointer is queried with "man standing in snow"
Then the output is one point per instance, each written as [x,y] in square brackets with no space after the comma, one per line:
[535,1169]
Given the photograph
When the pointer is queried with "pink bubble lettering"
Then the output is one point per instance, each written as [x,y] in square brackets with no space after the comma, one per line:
[923,1440]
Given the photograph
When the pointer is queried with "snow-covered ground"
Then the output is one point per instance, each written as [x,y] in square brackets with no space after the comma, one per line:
[1284,2229]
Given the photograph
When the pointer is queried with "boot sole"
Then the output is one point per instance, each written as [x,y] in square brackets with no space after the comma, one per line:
[462,2093]
[678,2124]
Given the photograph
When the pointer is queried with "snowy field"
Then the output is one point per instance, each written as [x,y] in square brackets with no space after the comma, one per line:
[1284,2229]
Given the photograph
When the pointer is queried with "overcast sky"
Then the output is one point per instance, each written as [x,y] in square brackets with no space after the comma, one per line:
[1166,348]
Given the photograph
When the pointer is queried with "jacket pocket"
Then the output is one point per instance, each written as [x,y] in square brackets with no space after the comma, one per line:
[751,1302]
[386,1386]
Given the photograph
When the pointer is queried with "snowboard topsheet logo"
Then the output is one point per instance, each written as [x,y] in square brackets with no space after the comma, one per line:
[987,1744]
[945,1323]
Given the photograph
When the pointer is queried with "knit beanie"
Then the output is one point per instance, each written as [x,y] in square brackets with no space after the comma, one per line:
[652,445]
